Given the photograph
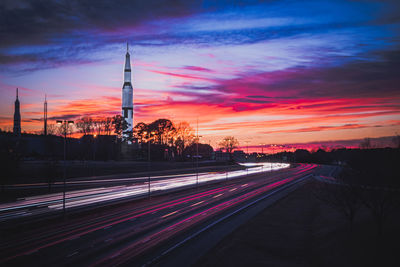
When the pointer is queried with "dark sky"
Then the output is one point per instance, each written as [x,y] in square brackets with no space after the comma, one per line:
[264,71]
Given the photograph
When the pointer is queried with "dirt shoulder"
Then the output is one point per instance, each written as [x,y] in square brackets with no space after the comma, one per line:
[300,230]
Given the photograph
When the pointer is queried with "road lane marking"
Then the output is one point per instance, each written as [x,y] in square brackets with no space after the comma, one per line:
[232,189]
[169,214]
[74,237]
[195,204]
[217,195]
[72,254]
[145,240]
[105,228]
[115,255]
[244,185]
[31,252]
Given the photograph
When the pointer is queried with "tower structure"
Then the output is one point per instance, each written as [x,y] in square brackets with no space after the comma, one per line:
[127,95]
[17,117]
[45,116]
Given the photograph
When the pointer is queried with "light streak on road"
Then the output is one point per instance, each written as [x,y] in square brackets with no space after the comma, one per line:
[130,229]
[195,204]
[141,245]
[79,198]
[169,214]
[102,222]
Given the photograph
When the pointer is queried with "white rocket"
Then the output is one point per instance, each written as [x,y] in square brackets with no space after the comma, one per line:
[127,95]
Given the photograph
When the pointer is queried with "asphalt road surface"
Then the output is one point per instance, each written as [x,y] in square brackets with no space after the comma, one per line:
[124,188]
[143,231]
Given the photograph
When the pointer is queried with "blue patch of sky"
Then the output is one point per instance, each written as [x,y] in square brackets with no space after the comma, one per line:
[308,30]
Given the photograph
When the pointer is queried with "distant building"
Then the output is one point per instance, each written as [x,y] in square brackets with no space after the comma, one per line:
[17,117]
[127,96]
[239,156]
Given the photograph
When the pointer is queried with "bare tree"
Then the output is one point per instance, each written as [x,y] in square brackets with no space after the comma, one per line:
[381,202]
[108,125]
[65,128]
[342,197]
[51,129]
[98,125]
[85,125]
[350,193]
[229,143]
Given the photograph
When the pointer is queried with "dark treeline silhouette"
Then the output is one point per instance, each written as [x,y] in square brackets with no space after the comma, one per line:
[376,166]
[101,140]
[375,162]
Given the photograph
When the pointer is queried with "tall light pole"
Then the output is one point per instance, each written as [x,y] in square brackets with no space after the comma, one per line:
[94,147]
[262,148]
[273,151]
[247,144]
[149,159]
[197,153]
[262,155]
[64,124]
[94,155]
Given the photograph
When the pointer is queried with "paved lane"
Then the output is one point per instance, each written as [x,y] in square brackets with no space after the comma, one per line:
[78,198]
[130,230]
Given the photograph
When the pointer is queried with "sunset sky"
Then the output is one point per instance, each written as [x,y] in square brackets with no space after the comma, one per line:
[262,71]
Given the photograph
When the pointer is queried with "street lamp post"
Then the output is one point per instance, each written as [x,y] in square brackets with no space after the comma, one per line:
[197,158]
[262,148]
[149,159]
[64,124]
[94,154]
[262,155]
[149,165]
[273,151]
[94,147]
[247,144]
[197,153]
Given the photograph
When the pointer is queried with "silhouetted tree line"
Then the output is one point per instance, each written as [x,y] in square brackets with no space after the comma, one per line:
[101,125]
[168,140]
[354,157]
[101,139]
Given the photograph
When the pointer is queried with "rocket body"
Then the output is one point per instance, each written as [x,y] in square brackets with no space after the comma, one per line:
[127,96]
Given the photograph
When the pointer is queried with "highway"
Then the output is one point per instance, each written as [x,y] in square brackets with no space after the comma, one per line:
[130,232]
[131,188]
